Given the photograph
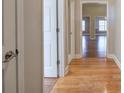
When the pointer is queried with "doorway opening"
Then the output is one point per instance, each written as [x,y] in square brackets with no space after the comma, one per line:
[50,44]
[94,30]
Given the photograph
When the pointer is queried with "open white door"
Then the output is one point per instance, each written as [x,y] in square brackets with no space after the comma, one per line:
[50,41]
[9,47]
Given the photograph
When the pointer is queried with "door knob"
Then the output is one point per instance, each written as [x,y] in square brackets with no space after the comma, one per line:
[9,56]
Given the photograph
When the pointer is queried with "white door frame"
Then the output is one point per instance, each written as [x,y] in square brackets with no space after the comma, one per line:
[50,39]
[20,45]
[61,36]
[100,2]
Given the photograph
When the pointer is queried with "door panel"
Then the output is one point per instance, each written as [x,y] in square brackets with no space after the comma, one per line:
[50,43]
[9,44]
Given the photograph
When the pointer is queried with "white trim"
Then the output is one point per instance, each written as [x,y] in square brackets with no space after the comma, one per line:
[61,37]
[78,56]
[115,60]
[20,29]
[66,70]
[69,58]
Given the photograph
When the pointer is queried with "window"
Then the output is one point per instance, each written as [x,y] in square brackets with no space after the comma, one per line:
[102,25]
[83,25]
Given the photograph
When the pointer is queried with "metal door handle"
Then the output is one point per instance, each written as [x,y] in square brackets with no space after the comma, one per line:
[9,56]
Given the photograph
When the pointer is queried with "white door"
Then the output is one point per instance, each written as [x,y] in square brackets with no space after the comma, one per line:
[72,8]
[9,47]
[50,43]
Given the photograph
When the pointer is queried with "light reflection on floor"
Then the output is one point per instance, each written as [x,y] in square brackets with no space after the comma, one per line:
[94,48]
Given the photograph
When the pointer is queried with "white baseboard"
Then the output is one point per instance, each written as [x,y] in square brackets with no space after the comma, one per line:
[116,60]
[69,58]
[78,56]
[66,70]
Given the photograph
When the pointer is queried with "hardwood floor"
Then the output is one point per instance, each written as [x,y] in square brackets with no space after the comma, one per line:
[94,48]
[90,75]
[49,84]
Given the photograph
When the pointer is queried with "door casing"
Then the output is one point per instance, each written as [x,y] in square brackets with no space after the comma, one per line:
[20,44]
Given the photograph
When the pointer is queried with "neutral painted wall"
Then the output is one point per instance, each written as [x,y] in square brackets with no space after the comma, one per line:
[33,46]
[114,26]
[93,10]
[111,26]
[78,33]
[69,26]
[118,30]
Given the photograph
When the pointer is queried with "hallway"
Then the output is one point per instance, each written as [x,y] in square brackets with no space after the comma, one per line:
[91,75]
[42,40]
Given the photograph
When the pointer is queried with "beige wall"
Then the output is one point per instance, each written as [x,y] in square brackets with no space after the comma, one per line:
[33,46]
[93,10]
[66,27]
[78,43]
[111,26]
[118,30]
[114,23]
[117,51]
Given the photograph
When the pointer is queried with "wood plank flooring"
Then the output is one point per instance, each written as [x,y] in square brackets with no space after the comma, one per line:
[90,75]
[94,48]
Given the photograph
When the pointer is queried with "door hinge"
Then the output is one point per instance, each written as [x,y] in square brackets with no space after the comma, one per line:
[17,51]
[57,30]
[58,62]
